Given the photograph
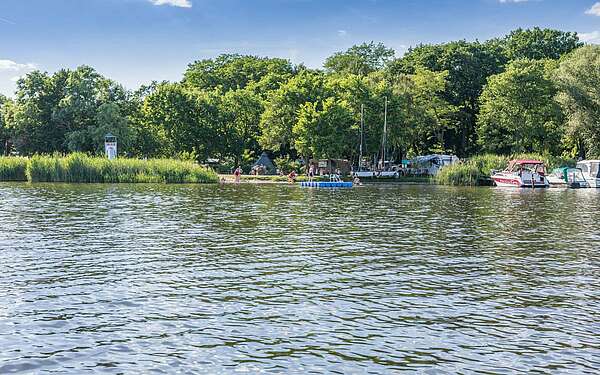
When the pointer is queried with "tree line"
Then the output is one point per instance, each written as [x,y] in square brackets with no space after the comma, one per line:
[534,90]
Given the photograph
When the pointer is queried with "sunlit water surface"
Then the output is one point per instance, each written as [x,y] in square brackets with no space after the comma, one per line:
[278,279]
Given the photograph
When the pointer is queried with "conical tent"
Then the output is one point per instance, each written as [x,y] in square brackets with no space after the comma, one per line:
[266,162]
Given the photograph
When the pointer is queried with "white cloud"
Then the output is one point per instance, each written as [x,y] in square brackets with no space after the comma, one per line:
[10,72]
[173,3]
[9,65]
[342,33]
[592,37]
[594,10]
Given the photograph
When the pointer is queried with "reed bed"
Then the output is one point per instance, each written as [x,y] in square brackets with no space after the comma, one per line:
[13,169]
[81,168]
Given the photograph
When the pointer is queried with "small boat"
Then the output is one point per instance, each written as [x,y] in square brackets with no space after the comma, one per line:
[569,177]
[327,184]
[591,172]
[522,174]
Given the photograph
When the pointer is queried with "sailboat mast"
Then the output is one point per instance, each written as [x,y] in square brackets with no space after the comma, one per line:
[384,145]
[362,129]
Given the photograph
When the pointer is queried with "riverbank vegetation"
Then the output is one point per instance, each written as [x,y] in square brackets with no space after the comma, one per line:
[81,168]
[476,171]
[531,91]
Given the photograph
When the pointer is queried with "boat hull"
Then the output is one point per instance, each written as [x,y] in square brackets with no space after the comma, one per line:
[505,181]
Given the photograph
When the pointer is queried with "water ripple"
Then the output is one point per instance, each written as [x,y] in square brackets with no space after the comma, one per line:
[277,279]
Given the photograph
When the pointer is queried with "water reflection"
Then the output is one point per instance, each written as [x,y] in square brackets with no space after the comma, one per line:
[152,278]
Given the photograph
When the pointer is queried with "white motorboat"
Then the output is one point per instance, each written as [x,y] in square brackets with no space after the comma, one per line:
[591,171]
[568,177]
[523,174]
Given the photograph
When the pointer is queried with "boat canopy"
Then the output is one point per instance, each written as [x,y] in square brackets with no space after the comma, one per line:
[525,162]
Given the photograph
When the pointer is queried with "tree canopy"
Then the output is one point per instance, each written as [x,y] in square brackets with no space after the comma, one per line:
[360,59]
[518,110]
[532,90]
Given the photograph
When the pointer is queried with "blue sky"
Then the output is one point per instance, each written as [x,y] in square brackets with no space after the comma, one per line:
[136,41]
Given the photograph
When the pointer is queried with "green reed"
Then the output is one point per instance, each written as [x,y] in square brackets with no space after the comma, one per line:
[81,168]
[13,169]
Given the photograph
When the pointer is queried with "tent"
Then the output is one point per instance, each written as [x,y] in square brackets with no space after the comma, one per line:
[265,162]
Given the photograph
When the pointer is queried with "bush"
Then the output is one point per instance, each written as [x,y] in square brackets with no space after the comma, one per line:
[81,168]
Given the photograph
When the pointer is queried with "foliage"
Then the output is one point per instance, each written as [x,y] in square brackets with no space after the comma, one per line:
[324,129]
[13,169]
[234,72]
[281,109]
[4,132]
[578,78]
[51,112]
[468,64]
[502,96]
[183,120]
[518,111]
[360,59]
[78,167]
[537,44]
[287,164]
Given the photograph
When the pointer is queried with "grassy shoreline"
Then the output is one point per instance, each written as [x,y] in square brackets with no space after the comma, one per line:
[81,168]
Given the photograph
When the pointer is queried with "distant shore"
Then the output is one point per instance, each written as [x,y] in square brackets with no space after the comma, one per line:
[283,180]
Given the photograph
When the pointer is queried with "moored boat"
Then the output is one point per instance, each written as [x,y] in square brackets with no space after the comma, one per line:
[568,177]
[522,174]
[591,172]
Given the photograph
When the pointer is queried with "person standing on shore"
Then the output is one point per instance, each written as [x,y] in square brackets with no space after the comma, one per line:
[311,173]
[238,174]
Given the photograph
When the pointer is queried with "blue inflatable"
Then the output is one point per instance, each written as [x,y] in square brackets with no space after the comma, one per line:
[325,184]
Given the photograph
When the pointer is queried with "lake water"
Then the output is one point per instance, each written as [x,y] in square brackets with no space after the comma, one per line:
[277,279]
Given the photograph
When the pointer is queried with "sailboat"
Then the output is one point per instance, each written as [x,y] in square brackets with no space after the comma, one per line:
[360,173]
[385,169]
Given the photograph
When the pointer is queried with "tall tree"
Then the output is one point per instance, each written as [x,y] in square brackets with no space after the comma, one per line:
[185,121]
[539,44]
[324,129]
[468,64]
[360,59]
[240,111]
[233,72]
[48,108]
[579,93]
[4,132]
[518,110]
[281,109]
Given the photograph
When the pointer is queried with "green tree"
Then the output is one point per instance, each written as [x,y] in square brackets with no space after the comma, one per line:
[578,78]
[281,109]
[51,109]
[324,129]
[360,59]
[539,44]
[108,119]
[233,72]
[518,110]
[468,64]
[240,111]
[184,121]
[4,132]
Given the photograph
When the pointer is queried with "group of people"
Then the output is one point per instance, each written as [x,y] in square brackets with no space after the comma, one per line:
[293,176]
